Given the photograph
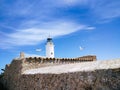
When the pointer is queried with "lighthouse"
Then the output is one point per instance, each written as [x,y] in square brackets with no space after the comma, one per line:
[49,48]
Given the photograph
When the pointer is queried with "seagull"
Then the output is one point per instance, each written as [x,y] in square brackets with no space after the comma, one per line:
[38,50]
[81,48]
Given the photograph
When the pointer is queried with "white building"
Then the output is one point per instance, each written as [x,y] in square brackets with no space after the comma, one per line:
[49,48]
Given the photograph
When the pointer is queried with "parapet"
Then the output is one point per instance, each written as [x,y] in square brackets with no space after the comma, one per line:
[61,60]
[25,63]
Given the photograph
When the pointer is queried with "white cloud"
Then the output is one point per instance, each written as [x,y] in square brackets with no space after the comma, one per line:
[39,9]
[72,2]
[106,9]
[38,22]
[34,35]
[102,9]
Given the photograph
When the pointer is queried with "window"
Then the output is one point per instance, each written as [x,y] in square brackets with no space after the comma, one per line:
[51,53]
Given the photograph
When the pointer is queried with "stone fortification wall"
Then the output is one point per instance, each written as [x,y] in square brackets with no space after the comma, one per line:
[85,58]
[14,79]
[34,62]
[37,62]
[94,80]
[12,74]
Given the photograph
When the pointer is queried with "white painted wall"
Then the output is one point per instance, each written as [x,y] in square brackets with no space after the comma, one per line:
[50,50]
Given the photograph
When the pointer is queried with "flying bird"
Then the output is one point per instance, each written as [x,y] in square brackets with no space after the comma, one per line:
[81,48]
[38,50]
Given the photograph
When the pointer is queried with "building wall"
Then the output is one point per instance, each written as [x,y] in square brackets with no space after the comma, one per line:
[37,62]
[94,80]
[14,79]
[50,50]
[12,75]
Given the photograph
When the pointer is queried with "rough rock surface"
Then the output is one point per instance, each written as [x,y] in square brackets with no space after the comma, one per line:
[94,80]
[99,75]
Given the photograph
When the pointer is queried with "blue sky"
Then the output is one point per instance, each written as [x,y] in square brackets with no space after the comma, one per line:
[78,27]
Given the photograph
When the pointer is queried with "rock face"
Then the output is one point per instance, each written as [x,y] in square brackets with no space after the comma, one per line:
[94,80]
[104,76]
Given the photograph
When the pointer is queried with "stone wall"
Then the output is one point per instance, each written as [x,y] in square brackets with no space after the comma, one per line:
[32,63]
[90,80]
[37,62]
[12,74]
[14,79]
[94,80]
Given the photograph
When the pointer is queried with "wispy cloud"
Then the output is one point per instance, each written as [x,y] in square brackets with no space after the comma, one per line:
[102,9]
[106,9]
[33,21]
[44,9]
[34,35]
[71,2]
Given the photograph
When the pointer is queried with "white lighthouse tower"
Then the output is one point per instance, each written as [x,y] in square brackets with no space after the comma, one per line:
[49,48]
